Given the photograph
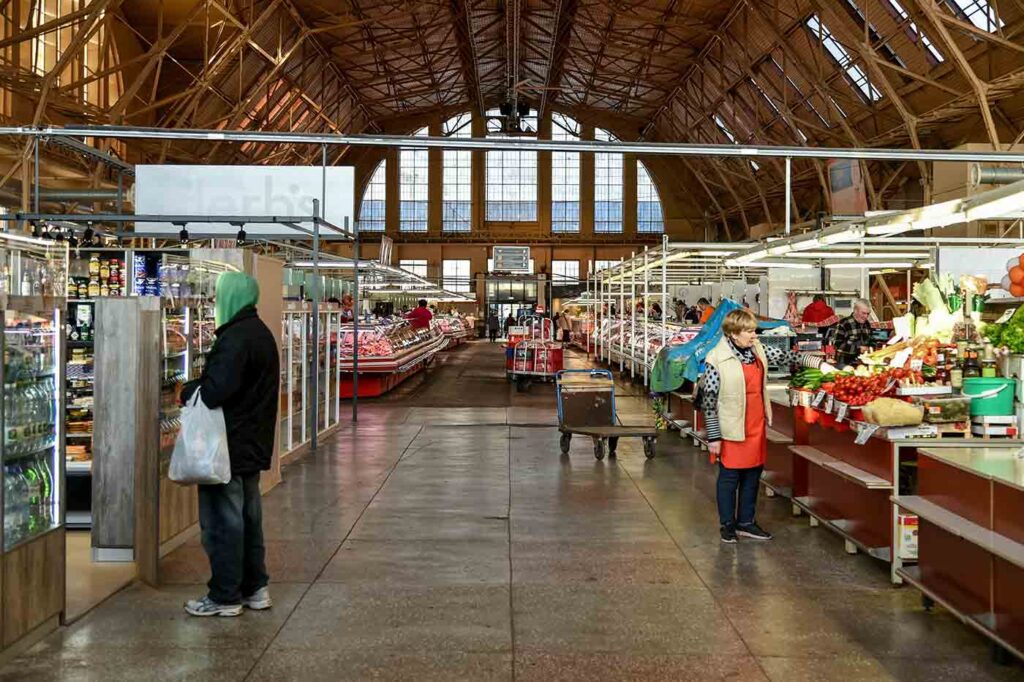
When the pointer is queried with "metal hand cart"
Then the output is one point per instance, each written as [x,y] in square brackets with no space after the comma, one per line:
[535,358]
[586,406]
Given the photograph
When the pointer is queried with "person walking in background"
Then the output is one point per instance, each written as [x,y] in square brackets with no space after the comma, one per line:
[492,327]
[737,413]
[509,323]
[564,326]
[241,376]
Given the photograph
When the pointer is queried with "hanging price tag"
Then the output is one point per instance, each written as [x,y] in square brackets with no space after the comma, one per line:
[865,432]
[916,364]
[818,397]
[841,409]
[794,398]
[829,403]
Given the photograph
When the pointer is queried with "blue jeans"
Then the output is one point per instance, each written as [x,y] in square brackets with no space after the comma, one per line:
[231,518]
[746,482]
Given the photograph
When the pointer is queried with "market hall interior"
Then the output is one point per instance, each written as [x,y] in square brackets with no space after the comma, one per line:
[443,536]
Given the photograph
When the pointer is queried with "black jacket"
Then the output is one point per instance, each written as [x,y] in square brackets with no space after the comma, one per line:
[242,375]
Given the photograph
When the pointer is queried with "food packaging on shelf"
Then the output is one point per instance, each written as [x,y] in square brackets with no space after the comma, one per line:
[908,524]
[945,410]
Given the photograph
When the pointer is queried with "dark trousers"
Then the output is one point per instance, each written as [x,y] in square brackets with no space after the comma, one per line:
[566,336]
[231,519]
[493,332]
[744,481]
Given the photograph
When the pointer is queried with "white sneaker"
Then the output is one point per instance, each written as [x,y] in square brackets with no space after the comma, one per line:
[258,600]
[207,607]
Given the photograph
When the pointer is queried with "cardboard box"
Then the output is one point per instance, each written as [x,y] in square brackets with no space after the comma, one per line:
[908,536]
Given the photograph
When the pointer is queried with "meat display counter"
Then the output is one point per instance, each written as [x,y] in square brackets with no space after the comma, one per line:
[625,342]
[454,328]
[388,354]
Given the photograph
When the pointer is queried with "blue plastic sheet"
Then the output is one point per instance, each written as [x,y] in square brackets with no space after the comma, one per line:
[676,364]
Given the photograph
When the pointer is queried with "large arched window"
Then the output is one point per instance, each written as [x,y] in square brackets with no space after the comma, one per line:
[565,177]
[649,218]
[371,209]
[511,175]
[607,187]
[457,190]
[413,187]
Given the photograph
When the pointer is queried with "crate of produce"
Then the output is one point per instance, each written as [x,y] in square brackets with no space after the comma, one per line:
[945,409]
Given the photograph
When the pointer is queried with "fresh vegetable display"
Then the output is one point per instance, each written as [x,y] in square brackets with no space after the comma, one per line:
[1008,335]
[856,389]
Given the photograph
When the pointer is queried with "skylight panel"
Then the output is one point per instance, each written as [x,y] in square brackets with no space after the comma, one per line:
[771,103]
[732,138]
[883,47]
[856,74]
[978,12]
[915,33]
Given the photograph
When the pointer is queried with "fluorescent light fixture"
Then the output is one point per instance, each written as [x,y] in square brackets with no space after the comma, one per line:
[335,265]
[869,264]
[825,254]
[790,266]
[1004,202]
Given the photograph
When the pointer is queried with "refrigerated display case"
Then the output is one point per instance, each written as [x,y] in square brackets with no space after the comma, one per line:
[295,413]
[33,277]
[388,355]
[626,342]
[454,328]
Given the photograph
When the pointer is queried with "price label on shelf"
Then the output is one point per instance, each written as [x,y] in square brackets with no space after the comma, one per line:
[916,364]
[841,409]
[829,404]
[864,433]
[1005,317]
[794,398]
[818,397]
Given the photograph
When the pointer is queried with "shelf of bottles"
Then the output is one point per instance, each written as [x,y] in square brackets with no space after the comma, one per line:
[32,289]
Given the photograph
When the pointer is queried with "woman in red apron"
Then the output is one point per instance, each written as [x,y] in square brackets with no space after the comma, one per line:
[737,415]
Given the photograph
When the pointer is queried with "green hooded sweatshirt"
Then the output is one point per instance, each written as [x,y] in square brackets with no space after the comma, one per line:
[235,290]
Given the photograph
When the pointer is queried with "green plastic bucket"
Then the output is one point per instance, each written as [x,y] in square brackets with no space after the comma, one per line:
[990,396]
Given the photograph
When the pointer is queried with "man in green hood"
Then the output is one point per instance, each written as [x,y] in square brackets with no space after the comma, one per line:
[241,376]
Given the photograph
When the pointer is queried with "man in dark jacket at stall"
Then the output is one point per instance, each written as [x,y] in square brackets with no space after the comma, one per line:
[241,376]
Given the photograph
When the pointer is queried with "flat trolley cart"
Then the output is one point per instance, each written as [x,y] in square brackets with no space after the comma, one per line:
[586,407]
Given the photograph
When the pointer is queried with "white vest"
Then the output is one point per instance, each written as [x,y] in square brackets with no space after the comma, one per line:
[732,396]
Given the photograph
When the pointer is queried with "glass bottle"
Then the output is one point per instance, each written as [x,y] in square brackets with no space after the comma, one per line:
[971,366]
[94,265]
[26,284]
[94,287]
[988,363]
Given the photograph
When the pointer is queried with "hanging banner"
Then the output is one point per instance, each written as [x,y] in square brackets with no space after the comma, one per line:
[243,191]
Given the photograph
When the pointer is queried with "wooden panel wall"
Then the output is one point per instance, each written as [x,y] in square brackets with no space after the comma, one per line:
[33,585]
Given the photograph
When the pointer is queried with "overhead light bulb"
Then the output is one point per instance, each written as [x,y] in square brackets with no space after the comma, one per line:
[183,236]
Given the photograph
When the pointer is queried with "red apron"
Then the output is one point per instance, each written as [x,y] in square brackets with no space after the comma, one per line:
[752,451]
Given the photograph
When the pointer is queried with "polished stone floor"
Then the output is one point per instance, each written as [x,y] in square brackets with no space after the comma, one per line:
[445,538]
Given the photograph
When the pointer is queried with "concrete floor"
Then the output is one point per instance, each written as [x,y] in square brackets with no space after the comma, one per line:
[445,538]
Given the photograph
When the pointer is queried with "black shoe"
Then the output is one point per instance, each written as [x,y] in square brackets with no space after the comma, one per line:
[728,535]
[753,531]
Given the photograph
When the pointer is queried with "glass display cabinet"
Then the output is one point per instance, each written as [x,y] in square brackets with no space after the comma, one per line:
[33,278]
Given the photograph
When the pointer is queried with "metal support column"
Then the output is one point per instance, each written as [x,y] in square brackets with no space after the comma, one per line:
[632,299]
[664,290]
[622,316]
[647,291]
[355,321]
[315,333]
[35,176]
[789,194]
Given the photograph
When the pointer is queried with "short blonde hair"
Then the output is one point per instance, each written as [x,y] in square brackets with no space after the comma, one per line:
[739,320]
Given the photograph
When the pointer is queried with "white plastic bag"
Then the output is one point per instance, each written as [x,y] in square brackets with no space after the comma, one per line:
[201,451]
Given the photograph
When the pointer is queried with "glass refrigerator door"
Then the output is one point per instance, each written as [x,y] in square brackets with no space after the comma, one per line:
[32,425]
